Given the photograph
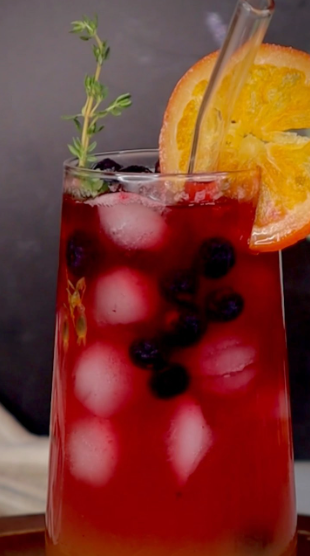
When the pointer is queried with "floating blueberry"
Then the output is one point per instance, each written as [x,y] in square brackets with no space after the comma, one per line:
[224,305]
[179,285]
[217,257]
[107,164]
[183,326]
[147,353]
[136,168]
[170,381]
[81,253]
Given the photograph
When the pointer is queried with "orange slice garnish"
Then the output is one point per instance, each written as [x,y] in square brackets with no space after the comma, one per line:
[267,129]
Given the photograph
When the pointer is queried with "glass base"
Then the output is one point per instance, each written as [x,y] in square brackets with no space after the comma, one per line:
[130,547]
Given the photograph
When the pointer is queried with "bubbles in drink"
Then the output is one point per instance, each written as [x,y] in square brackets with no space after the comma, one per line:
[104,379]
[133,225]
[125,296]
[188,440]
[92,451]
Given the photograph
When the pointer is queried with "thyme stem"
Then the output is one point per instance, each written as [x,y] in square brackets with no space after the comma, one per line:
[89,112]
[95,94]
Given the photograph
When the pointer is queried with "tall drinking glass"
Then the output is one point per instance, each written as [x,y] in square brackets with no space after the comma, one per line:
[170,422]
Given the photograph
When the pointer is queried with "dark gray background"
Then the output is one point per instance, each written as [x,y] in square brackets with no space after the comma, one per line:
[42,68]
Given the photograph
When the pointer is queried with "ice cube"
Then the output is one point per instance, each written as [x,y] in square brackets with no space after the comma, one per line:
[226,361]
[104,379]
[133,225]
[188,440]
[124,296]
[92,451]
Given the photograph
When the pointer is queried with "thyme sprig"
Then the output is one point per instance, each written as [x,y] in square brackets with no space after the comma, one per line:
[87,121]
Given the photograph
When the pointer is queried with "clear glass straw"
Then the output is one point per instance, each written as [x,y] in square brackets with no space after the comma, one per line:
[245,34]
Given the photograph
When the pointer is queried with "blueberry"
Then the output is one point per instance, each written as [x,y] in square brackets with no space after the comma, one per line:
[147,353]
[135,168]
[107,164]
[184,326]
[224,305]
[179,285]
[81,253]
[157,167]
[170,381]
[217,257]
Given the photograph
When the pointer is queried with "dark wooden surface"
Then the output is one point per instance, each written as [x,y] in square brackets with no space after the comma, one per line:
[303,536]
[24,536]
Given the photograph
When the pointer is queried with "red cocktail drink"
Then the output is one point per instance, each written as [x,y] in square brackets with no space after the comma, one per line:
[170,429]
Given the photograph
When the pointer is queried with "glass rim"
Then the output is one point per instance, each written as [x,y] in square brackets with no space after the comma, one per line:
[70,166]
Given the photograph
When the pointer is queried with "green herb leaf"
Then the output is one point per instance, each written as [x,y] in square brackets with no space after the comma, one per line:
[92,147]
[77,124]
[124,100]
[71,117]
[73,151]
